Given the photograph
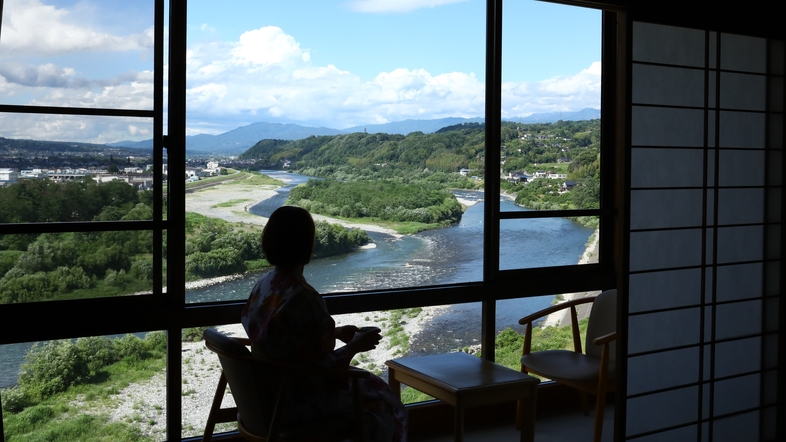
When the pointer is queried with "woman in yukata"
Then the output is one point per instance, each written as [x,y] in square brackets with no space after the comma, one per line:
[287,320]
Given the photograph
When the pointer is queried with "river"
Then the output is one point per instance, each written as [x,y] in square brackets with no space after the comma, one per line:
[441,256]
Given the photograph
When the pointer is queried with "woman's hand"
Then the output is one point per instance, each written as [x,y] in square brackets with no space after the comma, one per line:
[345,333]
[364,341]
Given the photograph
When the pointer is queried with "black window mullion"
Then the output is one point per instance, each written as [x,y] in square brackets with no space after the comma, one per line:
[491,208]
[176,157]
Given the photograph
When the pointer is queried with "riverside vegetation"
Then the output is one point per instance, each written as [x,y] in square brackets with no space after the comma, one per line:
[358,162]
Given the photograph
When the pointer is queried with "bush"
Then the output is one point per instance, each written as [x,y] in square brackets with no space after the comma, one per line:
[130,346]
[155,341]
[97,351]
[14,399]
[52,368]
[194,334]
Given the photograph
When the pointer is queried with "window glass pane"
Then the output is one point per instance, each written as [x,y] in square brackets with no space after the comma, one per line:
[550,108]
[419,332]
[201,372]
[546,242]
[74,265]
[77,54]
[61,168]
[389,131]
[91,388]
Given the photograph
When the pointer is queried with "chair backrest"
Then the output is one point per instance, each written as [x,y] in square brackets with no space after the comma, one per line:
[251,390]
[602,321]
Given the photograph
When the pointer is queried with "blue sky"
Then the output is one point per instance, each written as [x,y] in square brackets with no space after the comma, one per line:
[333,63]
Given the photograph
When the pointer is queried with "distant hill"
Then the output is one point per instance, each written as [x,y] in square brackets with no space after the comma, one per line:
[408,126]
[553,117]
[239,140]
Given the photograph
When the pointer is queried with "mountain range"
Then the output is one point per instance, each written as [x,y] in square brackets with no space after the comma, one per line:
[239,140]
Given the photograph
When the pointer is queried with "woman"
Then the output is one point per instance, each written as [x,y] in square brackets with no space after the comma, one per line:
[287,320]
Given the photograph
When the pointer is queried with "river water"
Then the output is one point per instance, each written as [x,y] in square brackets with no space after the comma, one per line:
[441,256]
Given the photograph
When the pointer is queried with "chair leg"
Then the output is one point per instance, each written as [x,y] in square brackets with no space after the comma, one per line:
[210,425]
[600,408]
[584,405]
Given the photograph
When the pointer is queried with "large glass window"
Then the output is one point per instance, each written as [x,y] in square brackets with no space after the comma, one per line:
[372,115]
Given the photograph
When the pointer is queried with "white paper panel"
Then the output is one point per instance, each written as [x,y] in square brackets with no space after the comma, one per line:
[655,126]
[738,244]
[741,168]
[709,285]
[688,433]
[657,209]
[743,281]
[737,357]
[661,290]
[743,91]
[665,249]
[662,410]
[743,53]
[708,357]
[668,44]
[740,206]
[662,370]
[737,394]
[668,86]
[648,331]
[740,428]
[710,215]
[742,130]
[651,168]
[738,319]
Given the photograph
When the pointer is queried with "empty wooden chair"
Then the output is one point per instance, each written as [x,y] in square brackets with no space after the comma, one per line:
[589,372]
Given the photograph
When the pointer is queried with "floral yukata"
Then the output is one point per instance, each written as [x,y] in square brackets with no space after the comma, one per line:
[287,320]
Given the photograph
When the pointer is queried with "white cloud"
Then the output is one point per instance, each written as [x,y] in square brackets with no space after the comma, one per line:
[267,76]
[268,45]
[33,28]
[399,6]
[565,93]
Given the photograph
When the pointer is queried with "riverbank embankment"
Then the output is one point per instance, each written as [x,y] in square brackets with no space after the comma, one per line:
[562,318]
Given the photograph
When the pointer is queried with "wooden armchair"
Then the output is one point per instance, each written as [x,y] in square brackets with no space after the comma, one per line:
[591,372]
[261,409]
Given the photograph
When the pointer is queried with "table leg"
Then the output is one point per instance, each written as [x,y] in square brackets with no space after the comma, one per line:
[526,417]
[458,423]
[395,385]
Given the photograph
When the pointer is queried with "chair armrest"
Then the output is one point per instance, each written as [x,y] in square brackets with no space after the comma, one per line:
[600,340]
[555,308]
[244,341]
[286,367]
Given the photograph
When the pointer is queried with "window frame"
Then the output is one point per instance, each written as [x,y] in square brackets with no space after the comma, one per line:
[168,310]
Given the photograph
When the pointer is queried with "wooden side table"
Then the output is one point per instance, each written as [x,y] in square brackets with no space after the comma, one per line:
[463,380]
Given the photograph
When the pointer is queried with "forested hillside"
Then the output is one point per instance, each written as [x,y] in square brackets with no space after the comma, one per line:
[71,265]
[524,146]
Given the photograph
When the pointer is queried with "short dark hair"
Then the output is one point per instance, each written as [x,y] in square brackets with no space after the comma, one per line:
[288,237]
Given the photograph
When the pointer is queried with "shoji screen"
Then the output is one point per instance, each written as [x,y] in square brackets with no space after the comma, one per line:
[705,234]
